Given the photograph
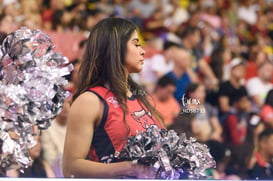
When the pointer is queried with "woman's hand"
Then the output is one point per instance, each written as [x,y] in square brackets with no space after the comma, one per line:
[140,171]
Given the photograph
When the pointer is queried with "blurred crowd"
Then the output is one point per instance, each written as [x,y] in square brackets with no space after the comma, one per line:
[208,68]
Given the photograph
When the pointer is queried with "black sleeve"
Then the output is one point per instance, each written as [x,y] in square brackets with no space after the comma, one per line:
[224,89]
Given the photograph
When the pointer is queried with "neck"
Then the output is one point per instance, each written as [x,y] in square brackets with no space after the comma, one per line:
[158,97]
[177,71]
[235,82]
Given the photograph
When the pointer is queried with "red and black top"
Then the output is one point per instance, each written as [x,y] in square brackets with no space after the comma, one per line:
[112,133]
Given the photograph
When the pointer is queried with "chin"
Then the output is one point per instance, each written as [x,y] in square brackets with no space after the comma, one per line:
[136,70]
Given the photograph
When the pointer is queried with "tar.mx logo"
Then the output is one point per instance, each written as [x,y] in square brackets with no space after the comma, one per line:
[191,105]
[139,92]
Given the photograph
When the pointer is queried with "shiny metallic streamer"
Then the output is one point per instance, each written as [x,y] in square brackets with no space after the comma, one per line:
[31,92]
[173,156]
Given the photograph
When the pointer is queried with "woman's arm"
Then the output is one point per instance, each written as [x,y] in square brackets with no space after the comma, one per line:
[192,75]
[217,133]
[49,171]
[224,103]
[82,120]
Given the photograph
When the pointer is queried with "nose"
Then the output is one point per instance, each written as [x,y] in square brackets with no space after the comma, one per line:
[142,51]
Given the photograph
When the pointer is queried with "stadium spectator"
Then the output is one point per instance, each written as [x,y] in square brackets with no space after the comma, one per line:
[229,88]
[205,124]
[52,139]
[235,126]
[190,39]
[164,101]
[182,72]
[219,63]
[259,86]
[155,67]
[261,163]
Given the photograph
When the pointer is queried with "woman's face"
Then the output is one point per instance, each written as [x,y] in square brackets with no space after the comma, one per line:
[7,24]
[238,72]
[134,58]
[199,94]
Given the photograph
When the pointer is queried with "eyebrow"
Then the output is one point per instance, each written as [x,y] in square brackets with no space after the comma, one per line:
[135,39]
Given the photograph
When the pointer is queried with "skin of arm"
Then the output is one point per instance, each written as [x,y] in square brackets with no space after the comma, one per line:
[192,75]
[195,128]
[49,172]
[82,120]
[206,70]
[50,152]
[217,129]
[257,100]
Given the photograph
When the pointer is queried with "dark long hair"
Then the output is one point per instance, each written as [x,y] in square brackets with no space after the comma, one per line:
[190,89]
[217,62]
[104,63]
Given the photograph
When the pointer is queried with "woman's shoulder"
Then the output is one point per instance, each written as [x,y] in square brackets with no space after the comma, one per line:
[101,91]
[86,98]
[87,107]
[84,101]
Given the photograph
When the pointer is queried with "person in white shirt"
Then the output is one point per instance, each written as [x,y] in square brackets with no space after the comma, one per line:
[248,12]
[258,87]
[52,140]
[156,66]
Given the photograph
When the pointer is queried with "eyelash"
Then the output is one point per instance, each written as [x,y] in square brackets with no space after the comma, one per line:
[138,45]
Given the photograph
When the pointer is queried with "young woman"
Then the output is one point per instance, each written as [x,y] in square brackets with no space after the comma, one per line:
[205,124]
[108,106]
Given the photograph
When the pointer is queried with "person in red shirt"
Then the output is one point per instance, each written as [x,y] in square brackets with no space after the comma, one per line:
[235,127]
[164,100]
[108,106]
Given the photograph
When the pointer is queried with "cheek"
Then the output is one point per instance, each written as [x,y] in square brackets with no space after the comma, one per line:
[129,54]
[270,70]
[132,55]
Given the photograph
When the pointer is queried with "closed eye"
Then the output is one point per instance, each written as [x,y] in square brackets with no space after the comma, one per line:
[138,45]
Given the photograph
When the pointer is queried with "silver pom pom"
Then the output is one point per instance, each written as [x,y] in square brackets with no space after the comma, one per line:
[31,92]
